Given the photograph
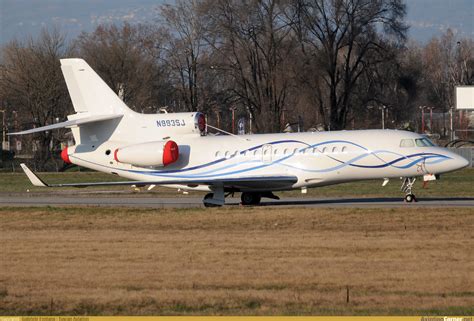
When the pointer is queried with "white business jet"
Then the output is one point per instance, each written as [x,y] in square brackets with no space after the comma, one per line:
[173,150]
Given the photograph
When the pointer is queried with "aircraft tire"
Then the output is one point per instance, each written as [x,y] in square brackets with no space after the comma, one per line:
[208,196]
[409,198]
[248,198]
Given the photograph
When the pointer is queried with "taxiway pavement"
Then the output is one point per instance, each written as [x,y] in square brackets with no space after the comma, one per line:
[187,201]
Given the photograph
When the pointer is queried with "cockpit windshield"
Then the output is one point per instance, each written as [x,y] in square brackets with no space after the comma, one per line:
[407,143]
[423,142]
[419,142]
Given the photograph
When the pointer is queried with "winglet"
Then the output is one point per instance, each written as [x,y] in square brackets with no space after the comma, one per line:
[35,180]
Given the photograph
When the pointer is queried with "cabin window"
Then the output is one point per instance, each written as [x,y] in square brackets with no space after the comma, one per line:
[407,143]
[285,151]
[275,151]
[295,150]
[218,154]
[227,154]
[334,150]
[324,150]
[344,150]
[315,150]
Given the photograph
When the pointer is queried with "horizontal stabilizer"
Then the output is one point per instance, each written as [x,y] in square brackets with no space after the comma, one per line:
[69,123]
[237,182]
[35,180]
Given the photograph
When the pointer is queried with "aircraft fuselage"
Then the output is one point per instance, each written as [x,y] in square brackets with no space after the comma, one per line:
[316,159]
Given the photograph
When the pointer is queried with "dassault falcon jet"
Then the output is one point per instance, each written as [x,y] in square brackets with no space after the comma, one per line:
[173,150]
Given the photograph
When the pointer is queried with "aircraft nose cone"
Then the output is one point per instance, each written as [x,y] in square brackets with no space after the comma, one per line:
[461,162]
[453,162]
[457,162]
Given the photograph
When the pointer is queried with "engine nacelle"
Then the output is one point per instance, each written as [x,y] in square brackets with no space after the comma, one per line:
[160,153]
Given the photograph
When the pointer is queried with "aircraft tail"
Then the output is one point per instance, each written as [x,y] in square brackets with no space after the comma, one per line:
[102,116]
[89,93]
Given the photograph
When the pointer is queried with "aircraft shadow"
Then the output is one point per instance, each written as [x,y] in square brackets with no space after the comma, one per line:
[364,201]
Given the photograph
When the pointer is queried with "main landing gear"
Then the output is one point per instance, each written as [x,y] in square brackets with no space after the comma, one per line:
[248,198]
[217,198]
[207,199]
[254,198]
[407,187]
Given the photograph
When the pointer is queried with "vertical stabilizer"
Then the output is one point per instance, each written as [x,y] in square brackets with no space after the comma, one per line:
[89,93]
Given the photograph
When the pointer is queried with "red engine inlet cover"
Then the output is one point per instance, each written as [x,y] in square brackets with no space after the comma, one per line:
[65,156]
[201,122]
[170,153]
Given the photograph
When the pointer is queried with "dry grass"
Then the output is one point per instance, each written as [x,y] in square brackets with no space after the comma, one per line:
[236,261]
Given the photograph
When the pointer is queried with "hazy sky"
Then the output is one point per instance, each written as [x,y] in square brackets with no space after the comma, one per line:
[20,18]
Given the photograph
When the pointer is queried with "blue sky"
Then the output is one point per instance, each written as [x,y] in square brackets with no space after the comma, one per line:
[20,18]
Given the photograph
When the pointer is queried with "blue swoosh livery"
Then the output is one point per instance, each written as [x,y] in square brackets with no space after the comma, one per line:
[227,169]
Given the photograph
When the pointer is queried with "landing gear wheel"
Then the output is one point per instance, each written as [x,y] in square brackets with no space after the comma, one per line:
[410,198]
[407,187]
[250,198]
[209,196]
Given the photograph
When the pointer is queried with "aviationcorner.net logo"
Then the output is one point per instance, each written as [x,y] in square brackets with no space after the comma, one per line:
[446,318]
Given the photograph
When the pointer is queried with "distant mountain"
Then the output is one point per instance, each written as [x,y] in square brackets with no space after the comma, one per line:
[20,18]
[430,18]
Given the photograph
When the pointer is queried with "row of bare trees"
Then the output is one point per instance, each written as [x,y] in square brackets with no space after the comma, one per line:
[330,62]
[32,89]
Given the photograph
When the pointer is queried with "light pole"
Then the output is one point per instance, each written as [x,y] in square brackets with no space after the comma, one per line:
[233,119]
[3,129]
[283,118]
[383,108]
[451,123]
[422,108]
[431,118]
[250,120]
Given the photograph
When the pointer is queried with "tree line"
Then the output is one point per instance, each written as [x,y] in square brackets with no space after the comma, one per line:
[331,63]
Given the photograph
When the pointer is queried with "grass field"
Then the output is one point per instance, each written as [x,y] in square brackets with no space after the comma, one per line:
[456,184]
[236,261]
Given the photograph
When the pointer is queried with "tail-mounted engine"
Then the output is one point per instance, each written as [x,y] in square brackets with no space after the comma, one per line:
[200,123]
[160,153]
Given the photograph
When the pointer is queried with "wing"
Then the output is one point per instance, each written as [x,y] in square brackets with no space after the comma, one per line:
[247,182]
[69,123]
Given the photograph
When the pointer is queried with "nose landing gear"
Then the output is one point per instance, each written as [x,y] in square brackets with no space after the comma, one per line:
[407,187]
